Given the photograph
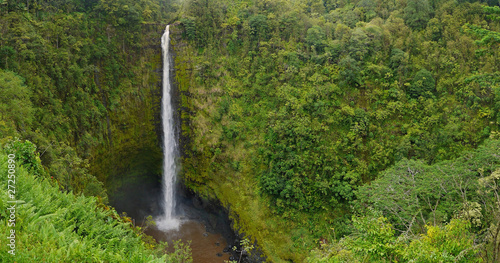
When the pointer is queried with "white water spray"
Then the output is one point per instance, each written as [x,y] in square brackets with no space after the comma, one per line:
[168,221]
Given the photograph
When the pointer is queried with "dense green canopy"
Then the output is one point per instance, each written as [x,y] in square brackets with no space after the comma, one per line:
[297,115]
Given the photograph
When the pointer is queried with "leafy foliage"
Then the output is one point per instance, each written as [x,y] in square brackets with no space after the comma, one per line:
[291,107]
[55,226]
[26,155]
[423,84]
[373,242]
[15,105]
[417,13]
[416,197]
[288,108]
[73,76]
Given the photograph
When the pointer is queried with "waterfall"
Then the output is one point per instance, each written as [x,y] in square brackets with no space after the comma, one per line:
[168,220]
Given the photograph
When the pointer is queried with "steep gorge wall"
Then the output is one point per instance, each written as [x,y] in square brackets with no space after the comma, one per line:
[208,161]
[130,165]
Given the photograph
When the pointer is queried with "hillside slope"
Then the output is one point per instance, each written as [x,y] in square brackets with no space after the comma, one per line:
[49,225]
[289,107]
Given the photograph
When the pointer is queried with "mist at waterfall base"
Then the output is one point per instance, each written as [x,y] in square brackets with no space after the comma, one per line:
[205,225]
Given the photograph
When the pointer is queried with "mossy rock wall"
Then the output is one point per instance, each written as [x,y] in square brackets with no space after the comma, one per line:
[208,162]
[132,160]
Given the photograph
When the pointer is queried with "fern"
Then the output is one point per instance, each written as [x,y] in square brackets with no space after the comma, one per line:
[52,226]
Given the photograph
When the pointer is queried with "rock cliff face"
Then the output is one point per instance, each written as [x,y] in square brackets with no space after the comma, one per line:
[130,166]
[202,172]
[132,163]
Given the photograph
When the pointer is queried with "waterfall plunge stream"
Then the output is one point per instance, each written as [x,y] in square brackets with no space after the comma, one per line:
[168,221]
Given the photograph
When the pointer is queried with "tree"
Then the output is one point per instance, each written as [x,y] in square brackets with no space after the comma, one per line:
[258,26]
[26,155]
[374,241]
[451,243]
[316,38]
[399,59]
[423,84]
[189,28]
[350,71]
[417,13]
[374,237]
[15,105]
[359,44]
[7,57]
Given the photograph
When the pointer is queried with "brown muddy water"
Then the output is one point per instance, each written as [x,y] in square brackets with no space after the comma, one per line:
[205,223]
[205,247]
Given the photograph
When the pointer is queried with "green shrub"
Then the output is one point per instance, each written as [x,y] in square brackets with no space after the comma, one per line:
[423,84]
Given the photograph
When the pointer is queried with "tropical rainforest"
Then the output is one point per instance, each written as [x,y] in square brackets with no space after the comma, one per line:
[331,130]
